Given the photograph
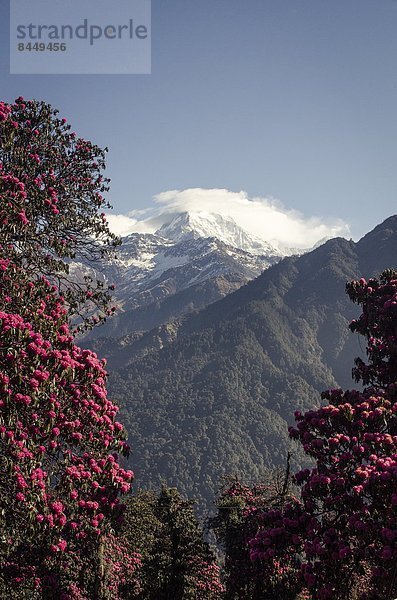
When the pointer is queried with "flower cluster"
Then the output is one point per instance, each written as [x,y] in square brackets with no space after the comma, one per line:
[4,111]
[206,577]
[122,569]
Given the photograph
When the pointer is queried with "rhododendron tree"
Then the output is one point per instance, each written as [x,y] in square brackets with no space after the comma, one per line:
[121,570]
[60,441]
[59,437]
[52,189]
[342,535]
[240,510]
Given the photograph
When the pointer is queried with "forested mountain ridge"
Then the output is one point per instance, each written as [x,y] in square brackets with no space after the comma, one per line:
[218,397]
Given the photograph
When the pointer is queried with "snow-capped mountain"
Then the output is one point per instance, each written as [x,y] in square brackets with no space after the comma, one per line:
[190,261]
[211,225]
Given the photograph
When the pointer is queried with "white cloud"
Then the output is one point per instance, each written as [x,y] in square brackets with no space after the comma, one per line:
[121,224]
[266,218]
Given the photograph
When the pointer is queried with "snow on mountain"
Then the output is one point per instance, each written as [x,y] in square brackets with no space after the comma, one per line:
[194,259]
[212,225]
[179,247]
[149,266]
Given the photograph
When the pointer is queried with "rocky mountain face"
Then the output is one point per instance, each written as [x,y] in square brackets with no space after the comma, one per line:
[212,394]
[190,262]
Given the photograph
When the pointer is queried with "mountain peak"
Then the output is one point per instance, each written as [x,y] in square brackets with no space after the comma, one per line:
[379,246]
[187,225]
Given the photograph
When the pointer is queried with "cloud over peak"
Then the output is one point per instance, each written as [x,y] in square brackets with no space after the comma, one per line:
[265,218]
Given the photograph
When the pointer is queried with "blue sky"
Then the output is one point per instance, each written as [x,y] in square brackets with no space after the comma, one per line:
[291,99]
